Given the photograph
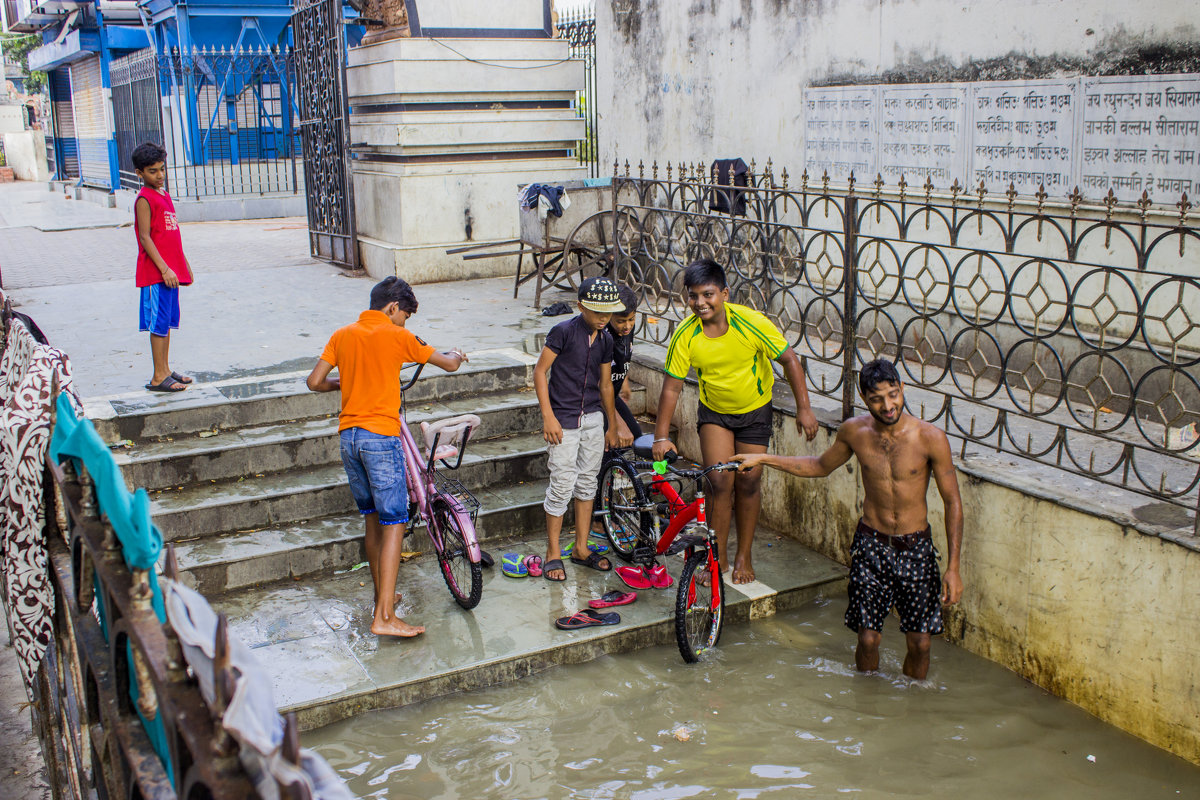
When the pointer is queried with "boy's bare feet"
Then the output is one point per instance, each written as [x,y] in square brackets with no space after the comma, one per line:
[396,627]
[743,571]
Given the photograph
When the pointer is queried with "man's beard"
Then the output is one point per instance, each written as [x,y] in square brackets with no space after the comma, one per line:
[883,421]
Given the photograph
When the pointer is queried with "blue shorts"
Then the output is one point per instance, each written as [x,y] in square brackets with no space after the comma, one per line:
[375,469]
[159,309]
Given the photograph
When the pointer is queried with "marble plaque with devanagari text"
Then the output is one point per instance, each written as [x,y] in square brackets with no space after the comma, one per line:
[1141,134]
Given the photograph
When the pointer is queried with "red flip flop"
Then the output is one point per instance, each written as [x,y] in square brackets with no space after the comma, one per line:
[634,577]
[614,598]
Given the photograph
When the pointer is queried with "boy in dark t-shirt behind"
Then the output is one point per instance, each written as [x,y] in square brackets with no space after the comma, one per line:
[575,399]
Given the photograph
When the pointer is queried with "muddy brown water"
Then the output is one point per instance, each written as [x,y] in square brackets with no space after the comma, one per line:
[776,711]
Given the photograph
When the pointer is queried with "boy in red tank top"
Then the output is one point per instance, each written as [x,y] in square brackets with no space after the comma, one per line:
[161,265]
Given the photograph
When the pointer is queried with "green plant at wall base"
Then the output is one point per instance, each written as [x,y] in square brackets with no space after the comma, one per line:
[17,47]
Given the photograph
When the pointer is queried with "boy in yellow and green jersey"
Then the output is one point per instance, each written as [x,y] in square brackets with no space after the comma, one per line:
[731,347]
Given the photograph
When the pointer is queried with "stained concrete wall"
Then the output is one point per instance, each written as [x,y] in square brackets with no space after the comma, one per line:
[1068,591]
[25,152]
[714,78]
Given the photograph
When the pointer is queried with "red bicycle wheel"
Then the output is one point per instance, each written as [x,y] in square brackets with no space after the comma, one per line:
[698,612]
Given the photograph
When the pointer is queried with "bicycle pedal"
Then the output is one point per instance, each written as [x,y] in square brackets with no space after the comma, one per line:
[684,542]
[643,555]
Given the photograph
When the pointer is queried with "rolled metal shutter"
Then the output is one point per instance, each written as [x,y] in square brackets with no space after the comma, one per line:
[91,129]
[64,123]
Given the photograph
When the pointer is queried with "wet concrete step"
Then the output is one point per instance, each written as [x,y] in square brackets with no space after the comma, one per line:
[313,635]
[263,400]
[273,500]
[257,451]
[218,564]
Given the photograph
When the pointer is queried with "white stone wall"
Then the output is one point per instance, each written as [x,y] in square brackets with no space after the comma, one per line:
[724,78]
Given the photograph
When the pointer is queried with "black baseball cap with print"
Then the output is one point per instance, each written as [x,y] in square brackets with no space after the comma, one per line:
[600,295]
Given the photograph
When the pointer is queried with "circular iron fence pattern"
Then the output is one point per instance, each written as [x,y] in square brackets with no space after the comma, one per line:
[1103,304]
[978,289]
[1012,325]
[1171,321]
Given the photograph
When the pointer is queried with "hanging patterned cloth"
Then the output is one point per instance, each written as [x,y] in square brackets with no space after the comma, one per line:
[27,372]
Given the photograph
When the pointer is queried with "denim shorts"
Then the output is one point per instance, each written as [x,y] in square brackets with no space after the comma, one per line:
[375,469]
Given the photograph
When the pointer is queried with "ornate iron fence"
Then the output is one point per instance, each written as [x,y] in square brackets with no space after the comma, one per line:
[1066,333]
[578,26]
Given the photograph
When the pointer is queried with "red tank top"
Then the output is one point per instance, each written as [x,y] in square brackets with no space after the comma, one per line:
[164,232]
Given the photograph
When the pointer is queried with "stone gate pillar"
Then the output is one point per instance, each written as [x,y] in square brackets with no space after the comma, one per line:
[446,123]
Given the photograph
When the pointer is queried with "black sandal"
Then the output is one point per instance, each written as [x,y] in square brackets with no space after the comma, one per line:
[593,560]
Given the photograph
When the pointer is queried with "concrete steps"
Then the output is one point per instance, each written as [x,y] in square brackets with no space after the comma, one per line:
[283,446]
[246,480]
[253,492]
[311,635]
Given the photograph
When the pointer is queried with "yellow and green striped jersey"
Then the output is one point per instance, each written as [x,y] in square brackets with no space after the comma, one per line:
[734,370]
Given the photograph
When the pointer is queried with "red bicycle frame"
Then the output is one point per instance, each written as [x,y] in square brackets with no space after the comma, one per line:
[683,514]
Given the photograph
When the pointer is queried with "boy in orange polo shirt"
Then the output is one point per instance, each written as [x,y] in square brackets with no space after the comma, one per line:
[369,355]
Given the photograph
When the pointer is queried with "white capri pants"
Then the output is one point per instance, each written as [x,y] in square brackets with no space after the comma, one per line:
[574,464]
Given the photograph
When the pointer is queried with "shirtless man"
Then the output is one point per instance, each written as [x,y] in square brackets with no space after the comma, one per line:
[891,565]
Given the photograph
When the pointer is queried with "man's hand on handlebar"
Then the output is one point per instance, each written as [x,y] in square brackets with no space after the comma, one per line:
[662,447]
[613,439]
[748,461]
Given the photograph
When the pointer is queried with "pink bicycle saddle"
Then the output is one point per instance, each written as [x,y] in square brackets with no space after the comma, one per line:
[455,432]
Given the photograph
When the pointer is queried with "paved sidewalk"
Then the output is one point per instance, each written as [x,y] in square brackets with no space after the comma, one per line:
[46,240]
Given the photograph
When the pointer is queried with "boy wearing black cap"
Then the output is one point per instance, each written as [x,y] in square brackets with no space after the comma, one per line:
[575,397]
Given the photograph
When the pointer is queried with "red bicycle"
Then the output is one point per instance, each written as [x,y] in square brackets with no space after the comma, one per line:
[645,517]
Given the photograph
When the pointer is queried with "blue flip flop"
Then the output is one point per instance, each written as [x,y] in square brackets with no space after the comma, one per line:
[594,547]
[513,565]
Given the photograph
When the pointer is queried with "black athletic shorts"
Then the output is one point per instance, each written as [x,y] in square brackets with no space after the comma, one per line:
[753,427]
[900,571]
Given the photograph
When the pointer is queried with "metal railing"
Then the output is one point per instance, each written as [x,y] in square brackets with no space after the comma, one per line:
[227,118]
[578,26]
[1066,333]
[119,705]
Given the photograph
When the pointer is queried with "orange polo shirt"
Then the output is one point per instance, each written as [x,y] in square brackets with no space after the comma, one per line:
[368,355]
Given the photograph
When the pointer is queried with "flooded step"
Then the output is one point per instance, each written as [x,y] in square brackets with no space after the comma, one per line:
[263,400]
[218,564]
[313,635]
[256,451]
[275,499]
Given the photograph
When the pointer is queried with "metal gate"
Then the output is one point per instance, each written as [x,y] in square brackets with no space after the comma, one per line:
[325,130]
[137,109]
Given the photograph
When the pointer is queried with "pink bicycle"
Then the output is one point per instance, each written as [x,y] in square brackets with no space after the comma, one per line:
[446,507]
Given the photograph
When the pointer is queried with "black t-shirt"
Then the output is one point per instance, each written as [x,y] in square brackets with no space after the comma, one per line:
[575,377]
[622,354]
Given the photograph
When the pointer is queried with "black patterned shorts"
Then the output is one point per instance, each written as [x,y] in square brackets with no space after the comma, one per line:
[898,571]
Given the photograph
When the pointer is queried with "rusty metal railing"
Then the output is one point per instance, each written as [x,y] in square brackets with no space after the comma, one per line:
[118,708]
[1065,332]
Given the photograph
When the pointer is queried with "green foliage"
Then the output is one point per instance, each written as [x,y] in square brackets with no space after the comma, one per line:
[17,46]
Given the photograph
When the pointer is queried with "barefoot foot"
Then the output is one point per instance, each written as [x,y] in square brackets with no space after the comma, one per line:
[743,572]
[396,627]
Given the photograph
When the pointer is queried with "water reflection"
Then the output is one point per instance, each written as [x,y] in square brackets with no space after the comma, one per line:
[777,712]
